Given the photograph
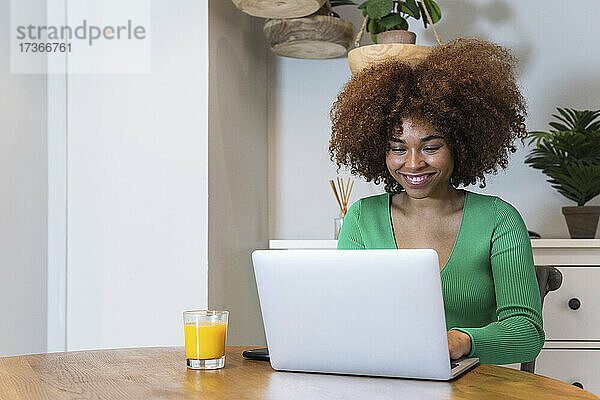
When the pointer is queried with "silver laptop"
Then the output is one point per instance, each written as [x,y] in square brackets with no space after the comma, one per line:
[358,312]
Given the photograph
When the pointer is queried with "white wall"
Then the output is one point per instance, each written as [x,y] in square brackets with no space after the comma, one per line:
[238,209]
[137,190]
[559,59]
[127,160]
[23,208]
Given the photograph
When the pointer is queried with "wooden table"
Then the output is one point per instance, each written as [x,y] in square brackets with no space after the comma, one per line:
[160,373]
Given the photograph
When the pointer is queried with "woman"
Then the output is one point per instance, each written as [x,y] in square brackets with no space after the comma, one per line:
[424,131]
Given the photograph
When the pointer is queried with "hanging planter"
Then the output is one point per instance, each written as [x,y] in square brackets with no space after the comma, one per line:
[320,36]
[365,56]
[386,21]
[279,8]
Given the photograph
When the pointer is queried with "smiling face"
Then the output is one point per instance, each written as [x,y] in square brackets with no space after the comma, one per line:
[420,159]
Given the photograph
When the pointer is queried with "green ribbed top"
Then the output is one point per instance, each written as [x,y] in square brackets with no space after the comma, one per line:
[489,285]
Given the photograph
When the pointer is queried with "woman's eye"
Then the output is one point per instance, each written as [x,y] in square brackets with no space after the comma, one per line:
[398,150]
[432,149]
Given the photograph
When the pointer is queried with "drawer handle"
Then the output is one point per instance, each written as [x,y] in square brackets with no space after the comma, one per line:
[574,303]
[578,384]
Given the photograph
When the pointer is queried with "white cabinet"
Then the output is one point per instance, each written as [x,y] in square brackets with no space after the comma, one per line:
[571,313]
[571,365]
[572,325]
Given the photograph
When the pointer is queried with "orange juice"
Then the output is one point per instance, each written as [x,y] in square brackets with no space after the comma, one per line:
[205,340]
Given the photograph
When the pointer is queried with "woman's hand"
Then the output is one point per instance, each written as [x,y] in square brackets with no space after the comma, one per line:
[459,344]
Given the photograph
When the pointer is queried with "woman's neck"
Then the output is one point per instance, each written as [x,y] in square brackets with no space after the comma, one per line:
[446,201]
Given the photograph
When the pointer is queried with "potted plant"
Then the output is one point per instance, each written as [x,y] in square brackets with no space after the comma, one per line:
[569,155]
[387,19]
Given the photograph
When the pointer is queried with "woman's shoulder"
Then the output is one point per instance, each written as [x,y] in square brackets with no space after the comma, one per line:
[493,205]
[370,205]
[481,198]
[376,200]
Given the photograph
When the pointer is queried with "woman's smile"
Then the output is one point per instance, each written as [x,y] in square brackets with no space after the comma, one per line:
[417,180]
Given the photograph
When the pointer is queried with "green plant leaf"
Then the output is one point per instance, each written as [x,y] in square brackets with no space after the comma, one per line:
[558,127]
[566,117]
[584,119]
[423,15]
[434,10]
[374,27]
[371,26]
[407,11]
[374,38]
[437,10]
[363,5]
[411,8]
[393,20]
[537,136]
[403,25]
[379,8]
[378,27]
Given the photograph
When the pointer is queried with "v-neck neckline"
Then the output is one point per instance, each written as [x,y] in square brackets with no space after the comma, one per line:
[460,227]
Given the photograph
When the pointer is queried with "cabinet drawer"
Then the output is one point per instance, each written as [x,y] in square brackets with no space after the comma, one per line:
[572,365]
[561,322]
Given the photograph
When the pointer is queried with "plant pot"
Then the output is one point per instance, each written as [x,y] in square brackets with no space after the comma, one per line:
[396,36]
[365,56]
[315,37]
[279,8]
[582,221]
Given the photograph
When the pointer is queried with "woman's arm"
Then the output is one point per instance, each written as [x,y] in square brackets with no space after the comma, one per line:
[350,237]
[518,335]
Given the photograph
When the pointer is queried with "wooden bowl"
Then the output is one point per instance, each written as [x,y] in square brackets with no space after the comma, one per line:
[364,56]
[278,8]
[316,37]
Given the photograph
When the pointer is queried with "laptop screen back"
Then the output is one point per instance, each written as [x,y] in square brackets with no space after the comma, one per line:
[366,312]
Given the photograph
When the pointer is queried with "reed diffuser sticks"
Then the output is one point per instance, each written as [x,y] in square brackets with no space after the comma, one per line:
[344,193]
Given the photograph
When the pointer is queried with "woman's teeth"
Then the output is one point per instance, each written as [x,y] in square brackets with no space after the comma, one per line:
[417,180]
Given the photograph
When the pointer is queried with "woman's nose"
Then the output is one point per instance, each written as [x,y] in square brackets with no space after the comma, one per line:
[414,160]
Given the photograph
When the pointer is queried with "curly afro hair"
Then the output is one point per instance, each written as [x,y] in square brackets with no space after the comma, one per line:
[466,89]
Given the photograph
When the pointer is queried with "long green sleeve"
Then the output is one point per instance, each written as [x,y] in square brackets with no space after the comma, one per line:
[350,236]
[518,334]
[489,285]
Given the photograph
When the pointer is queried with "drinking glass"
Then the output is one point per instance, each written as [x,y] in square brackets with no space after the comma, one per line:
[205,337]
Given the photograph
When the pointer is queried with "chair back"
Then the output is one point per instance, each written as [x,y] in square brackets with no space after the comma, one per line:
[549,279]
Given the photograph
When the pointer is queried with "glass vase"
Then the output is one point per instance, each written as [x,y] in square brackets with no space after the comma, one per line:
[337,226]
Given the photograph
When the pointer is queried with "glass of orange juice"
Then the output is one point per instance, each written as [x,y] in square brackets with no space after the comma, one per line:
[205,336]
